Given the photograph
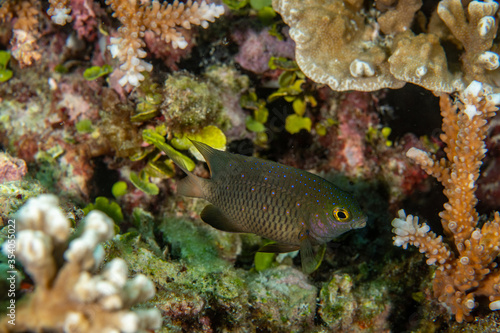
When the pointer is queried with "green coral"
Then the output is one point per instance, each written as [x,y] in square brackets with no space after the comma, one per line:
[343,302]
[193,245]
[194,284]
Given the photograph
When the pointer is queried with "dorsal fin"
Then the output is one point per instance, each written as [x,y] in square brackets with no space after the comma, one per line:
[217,160]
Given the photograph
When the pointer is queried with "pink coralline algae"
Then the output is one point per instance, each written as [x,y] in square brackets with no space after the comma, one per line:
[488,191]
[166,52]
[257,48]
[354,153]
[84,14]
[356,115]
[11,168]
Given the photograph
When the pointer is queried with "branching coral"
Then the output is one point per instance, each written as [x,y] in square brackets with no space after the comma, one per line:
[163,19]
[73,297]
[340,44]
[466,268]
[24,15]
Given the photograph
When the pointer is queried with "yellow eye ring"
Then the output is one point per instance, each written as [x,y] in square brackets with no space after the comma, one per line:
[341,214]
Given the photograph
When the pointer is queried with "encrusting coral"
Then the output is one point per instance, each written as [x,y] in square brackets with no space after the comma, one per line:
[335,46]
[466,268]
[346,47]
[73,297]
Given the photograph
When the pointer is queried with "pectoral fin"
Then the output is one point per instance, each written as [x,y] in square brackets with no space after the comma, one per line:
[216,218]
[310,260]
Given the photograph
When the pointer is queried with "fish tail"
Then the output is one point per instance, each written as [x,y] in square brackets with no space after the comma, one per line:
[191,186]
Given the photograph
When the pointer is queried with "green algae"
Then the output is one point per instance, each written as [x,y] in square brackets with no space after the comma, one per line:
[119,189]
[141,181]
[275,300]
[149,102]
[110,208]
[5,74]
[193,245]
[95,72]
[15,193]
[84,126]
[295,123]
[190,103]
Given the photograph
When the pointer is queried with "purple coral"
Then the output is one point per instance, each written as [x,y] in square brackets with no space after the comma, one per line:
[257,48]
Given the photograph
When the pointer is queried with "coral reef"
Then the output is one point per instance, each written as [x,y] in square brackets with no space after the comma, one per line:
[466,269]
[71,296]
[94,130]
[160,18]
[163,19]
[340,44]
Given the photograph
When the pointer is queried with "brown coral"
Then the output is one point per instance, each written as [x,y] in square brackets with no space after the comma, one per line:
[346,47]
[335,45]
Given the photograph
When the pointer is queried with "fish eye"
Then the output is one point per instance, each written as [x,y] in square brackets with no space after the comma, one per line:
[341,214]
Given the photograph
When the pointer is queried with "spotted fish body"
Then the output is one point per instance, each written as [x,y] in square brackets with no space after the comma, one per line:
[290,206]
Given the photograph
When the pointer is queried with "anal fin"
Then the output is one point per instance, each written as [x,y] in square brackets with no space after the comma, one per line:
[216,218]
[278,248]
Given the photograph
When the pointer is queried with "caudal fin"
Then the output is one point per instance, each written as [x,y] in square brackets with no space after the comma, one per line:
[191,186]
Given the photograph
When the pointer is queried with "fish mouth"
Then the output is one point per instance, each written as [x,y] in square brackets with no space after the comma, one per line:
[361,223]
